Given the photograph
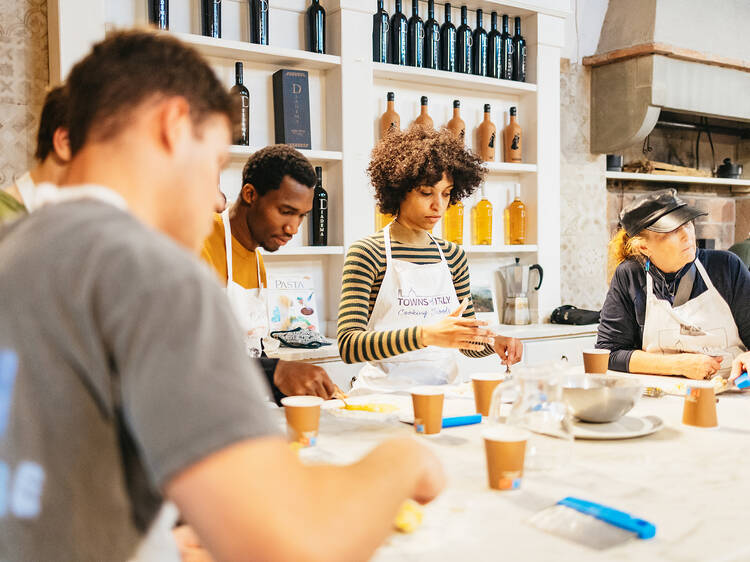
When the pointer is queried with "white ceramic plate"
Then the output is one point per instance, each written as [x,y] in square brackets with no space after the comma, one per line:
[624,428]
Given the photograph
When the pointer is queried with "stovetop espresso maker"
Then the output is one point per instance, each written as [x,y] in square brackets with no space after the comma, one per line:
[514,280]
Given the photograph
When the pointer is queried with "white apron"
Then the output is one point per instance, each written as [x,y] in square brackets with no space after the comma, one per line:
[411,294]
[26,188]
[702,325]
[249,305]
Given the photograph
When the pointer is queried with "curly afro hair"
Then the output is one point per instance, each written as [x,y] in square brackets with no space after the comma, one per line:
[419,156]
[267,167]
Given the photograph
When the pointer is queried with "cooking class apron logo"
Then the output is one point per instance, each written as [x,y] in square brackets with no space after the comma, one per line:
[702,325]
[249,305]
[411,294]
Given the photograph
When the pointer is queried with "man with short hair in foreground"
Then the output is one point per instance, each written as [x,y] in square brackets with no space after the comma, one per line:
[132,382]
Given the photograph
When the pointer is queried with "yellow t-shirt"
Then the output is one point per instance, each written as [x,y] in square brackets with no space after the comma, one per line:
[244,269]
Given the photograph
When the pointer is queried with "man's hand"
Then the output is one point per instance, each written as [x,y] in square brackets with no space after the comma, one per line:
[295,378]
[510,350]
[190,546]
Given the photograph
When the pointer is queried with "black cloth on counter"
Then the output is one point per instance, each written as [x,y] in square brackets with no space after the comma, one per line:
[624,310]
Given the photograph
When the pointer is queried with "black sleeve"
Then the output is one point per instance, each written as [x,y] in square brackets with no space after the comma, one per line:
[740,301]
[619,330]
[269,368]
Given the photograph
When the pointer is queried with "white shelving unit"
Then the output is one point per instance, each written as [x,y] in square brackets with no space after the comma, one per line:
[347,97]
[659,178]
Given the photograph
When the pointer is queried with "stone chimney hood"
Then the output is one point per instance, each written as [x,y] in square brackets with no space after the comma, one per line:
[684,56]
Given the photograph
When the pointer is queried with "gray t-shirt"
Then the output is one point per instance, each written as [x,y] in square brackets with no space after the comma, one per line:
[130,368]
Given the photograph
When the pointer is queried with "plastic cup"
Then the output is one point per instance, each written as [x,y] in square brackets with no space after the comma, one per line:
[484,385]
[596,361]
[699,409]
[428,410]
[302,418]
[506,451]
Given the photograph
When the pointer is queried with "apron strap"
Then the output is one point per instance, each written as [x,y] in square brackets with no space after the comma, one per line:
[704,275]
[440,250]
[228,244]
[685,287]
[387,243]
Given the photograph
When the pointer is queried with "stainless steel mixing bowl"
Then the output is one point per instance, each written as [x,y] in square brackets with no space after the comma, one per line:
[600,398]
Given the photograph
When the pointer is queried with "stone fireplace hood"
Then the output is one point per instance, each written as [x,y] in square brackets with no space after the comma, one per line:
[684,56]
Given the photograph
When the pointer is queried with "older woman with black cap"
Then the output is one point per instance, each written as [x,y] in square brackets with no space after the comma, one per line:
[672,309]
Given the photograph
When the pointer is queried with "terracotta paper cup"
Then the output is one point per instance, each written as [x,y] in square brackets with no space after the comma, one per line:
[596,360]
[484,385]
[700,405]
[505,446]
[428,410]
[302,418]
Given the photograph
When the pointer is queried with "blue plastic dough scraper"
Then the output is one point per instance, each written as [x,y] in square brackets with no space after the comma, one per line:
[591,524]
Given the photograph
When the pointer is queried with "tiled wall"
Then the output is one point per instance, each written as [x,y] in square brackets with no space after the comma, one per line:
[24,73]
[583,197]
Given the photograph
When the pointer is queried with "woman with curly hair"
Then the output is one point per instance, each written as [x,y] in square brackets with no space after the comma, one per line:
[405,300]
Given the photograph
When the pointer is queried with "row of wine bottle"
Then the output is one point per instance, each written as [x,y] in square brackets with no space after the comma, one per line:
[315,21]
[427,44]
[487,132]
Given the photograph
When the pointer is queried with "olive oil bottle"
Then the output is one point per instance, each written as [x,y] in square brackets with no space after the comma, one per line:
[481,221]
[453,223]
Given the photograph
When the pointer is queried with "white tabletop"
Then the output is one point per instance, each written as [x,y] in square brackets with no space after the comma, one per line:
[693,484]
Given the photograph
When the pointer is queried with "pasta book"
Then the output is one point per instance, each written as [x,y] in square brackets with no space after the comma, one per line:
[291,303]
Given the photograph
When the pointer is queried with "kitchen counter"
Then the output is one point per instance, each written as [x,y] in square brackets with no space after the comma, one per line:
[525,333]
[692,483]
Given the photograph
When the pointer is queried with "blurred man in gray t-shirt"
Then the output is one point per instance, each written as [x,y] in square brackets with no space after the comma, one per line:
[123,379]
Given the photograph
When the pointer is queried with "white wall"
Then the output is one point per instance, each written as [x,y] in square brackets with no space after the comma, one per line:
[583,27]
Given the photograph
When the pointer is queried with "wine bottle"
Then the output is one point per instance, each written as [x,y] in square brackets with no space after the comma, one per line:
[158,13]
[481,215]
[211,20]
[519,54]
[431,38]
[506,51]
[453,223]
[463,44]
[415,40]
[390,121]
[399,29]
[424,119]
[316,28]
[239,91]
[479,47]
[259,22]
[512,139]
[517,219]
[448,42]
[487,137]
[380,34]
[319,216]
[456,124]
[494,50]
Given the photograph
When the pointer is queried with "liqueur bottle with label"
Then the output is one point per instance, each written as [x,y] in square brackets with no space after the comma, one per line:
[382,220]
[453,223]
[239,91]
[481,220]
[506,43]
[457,125]
[399,29]
[390,121]
[431,38]
[211,18]
[487,137]
[512,139]
[380,34]
[424,119]
[316,28]
[519,54]
[494,50]
[415,39]
[479,47]
[259,22]
[448,42]
[463,44]
[158,13]
[319,215]
[517,219]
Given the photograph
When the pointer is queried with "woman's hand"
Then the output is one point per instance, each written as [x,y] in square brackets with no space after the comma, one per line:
[510,350]
[457,332]
[740,365]
[696,365]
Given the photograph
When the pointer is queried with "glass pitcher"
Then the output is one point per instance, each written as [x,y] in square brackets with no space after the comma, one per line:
[537,405]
